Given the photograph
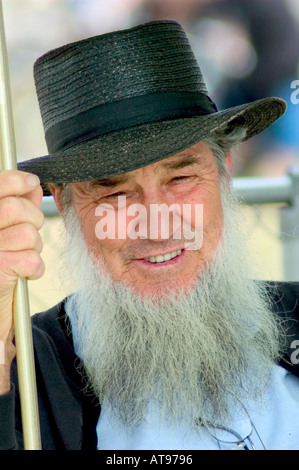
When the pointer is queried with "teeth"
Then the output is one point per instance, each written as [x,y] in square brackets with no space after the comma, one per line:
[162,258]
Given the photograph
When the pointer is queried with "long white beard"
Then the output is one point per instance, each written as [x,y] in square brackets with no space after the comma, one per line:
[194,355]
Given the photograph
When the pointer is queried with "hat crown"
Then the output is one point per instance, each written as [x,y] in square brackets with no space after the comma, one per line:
[123,100]
[151,58]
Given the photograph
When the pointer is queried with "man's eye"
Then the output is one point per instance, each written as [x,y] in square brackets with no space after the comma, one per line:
[182,178]
[115,195]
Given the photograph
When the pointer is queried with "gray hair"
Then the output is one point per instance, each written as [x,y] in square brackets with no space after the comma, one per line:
[221,144]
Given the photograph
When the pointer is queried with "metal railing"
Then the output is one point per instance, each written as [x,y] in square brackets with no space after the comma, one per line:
[282,190]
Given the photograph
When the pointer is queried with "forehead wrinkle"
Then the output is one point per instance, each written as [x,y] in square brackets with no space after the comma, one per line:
[175,162]
[181,161]
[111,182]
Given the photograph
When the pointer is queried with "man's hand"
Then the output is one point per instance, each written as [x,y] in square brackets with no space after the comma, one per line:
[20,248]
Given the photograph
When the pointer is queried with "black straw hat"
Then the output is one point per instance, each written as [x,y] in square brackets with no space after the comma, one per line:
[123,100]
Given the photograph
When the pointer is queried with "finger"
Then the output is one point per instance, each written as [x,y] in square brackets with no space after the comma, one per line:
[17,183]
[16,210]
[20,237]
[26,264]
[35,196]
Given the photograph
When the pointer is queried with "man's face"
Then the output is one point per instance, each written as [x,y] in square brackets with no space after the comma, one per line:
[169,348]
[190,178]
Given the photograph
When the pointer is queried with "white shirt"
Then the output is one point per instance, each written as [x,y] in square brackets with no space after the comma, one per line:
[276,425]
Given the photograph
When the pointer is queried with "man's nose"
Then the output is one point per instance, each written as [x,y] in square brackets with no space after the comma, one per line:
[161,217]
[154,194]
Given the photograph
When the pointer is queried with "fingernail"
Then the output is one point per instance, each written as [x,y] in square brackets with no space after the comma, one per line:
[32,180]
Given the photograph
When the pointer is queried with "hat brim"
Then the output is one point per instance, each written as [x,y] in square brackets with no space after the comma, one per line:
[133,148]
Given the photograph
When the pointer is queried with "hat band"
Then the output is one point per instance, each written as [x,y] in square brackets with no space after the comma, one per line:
[126,113]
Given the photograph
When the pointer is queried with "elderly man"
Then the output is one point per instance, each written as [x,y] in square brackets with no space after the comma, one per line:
[166,342]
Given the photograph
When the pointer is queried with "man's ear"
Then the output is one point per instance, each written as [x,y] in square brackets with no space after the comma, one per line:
[229,162]
[56,191]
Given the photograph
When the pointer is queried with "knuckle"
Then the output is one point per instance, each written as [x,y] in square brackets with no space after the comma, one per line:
[30,235]
[6,205]
[16,182]
[27,264]
[39,267]
[12,182]
[10,207]
[34,261]
[41,219]
[14,210]
[34,265]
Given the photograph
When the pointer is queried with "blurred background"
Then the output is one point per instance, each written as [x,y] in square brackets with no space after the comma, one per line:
[247,49]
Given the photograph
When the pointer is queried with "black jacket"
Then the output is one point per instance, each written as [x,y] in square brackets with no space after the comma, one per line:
[68,410]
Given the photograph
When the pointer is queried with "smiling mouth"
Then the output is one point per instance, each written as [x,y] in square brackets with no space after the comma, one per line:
[163,258]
